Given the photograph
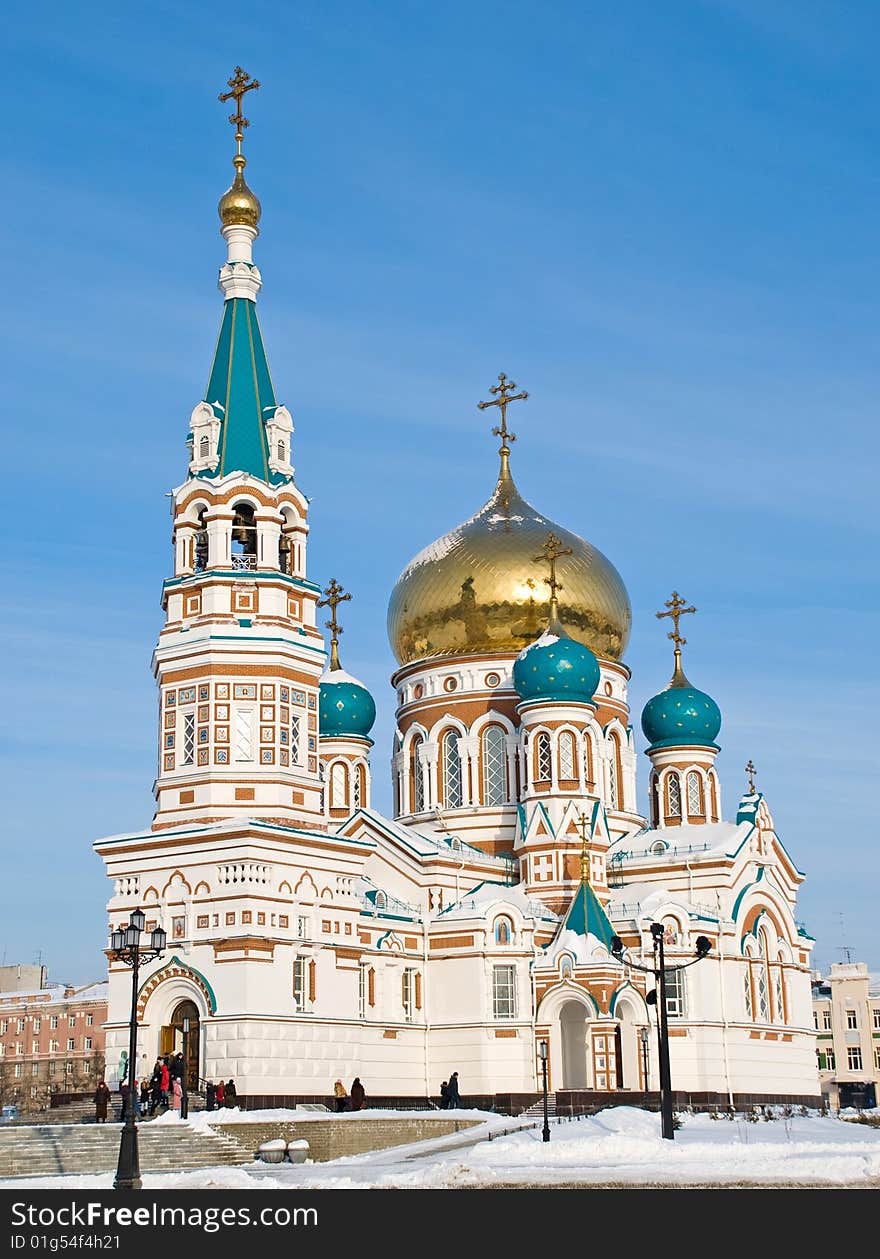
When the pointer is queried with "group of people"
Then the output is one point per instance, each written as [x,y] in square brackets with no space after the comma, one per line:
[161,1092]
[219,1095]
[450,1099]
[349,1101]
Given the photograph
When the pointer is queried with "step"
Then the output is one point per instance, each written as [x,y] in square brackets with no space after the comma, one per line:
[56,1149]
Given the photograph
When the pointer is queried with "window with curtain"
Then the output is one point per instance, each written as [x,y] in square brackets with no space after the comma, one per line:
[494,766]
[452,796]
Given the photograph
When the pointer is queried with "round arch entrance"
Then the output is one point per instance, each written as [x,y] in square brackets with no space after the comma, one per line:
[573,1030]
[172,1039]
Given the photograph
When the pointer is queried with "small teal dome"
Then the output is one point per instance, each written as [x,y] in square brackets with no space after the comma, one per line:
[681,714]
[345,706]
[556,667]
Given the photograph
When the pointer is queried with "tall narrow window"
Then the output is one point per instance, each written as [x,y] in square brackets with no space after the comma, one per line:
[566,755]
[417,781]
[452,796]
[615,780]
[673,795]
[696,808]
[338,786]
[189,737]
[300,983]
[358,786]
[779,995]
[543,758]
[589,779]
[294,741]
[761,985]
[282,452]
[409,994]
[363,989]
[747,993]
[675,994]
[244,734]
[494,766]
[504,992]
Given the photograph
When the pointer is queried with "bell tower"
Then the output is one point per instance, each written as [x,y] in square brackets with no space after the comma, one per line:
[239,659]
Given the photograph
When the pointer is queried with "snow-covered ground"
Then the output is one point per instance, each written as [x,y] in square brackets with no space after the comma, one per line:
[621,1145]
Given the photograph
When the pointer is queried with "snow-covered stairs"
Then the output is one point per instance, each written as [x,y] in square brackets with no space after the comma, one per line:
[537,1108]
[80,1149]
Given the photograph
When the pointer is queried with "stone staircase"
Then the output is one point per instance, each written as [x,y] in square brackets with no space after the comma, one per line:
[537,1108]
[81,1149]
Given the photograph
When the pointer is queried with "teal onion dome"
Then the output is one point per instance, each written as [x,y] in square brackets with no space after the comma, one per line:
[681,715]
[345,706]
[556,667]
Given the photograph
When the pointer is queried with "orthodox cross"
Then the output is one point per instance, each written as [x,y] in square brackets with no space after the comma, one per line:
[333,596]
[551,551]
[240,83]
[583,821]
[676,610]
[751,771]
[504,389]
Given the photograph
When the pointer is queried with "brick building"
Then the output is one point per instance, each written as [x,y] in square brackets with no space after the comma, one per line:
[51,1041]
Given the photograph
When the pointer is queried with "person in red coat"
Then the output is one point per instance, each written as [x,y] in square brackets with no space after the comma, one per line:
[220,1094]
[164,1081]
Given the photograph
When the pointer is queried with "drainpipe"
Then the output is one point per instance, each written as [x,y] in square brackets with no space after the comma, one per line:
[724,1024]
[425,997]
[534,980]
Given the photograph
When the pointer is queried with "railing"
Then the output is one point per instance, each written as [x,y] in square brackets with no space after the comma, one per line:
[247,563]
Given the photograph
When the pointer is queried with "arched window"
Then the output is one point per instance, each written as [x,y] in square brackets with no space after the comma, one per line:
[416,781]
[244,537]
[615,786]
[565,968]
[762,979]
[673,796]
[566,756]
[338,786]
[696,808]
[747,993]
[542,757]
[503,931]
[587,748]
[494,766]
[204,446]
[451,770]
[201,555]
[358,787]
[778,995]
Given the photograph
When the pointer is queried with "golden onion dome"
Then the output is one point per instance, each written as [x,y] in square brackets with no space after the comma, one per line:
[239,205]
[481,588]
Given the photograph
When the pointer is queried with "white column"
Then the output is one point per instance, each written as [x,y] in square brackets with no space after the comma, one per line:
[219,527]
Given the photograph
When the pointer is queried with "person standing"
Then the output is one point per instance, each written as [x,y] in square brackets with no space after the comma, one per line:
[220,1094]
[164,1081]
[341,1097]
[454,1097]
[210,1095]
[358,1094]
[230,1096]
[102,1099]
[444,1096]
[124,1091]
[176,1095]
[145,1095]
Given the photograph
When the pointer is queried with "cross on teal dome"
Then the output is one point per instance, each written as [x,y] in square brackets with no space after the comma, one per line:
[556,667]
[681,715]
[345,706]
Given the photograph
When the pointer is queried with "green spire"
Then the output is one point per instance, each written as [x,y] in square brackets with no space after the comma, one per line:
[587,917]
[240,389]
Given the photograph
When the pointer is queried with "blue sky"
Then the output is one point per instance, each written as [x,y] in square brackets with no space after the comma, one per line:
[661,220]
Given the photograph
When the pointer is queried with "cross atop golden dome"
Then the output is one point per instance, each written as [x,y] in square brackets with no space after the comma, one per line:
[239,206]
[504,389]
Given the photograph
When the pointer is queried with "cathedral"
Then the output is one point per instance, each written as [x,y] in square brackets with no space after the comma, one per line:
[311,938]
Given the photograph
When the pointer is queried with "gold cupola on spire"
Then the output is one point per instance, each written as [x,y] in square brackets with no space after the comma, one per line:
[472,591]
[239,206]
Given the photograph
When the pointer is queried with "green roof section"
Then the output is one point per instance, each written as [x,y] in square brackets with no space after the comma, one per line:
[586,916]
[240,390]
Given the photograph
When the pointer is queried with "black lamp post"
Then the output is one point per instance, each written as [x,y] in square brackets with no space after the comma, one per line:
[659,970]
[184,1097]
[542,1054]
[643,1037]
[126,947]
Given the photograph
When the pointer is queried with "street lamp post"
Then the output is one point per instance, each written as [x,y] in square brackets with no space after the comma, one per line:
[184,1097]
[643,1037]
[659,971]
[542,1054]
[126,947]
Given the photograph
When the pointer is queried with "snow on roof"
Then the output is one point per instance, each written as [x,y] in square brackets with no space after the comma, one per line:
[339,675]
[55,992]
[475,901]
[643,900]
[583,948]
[546,640]
[681,841]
